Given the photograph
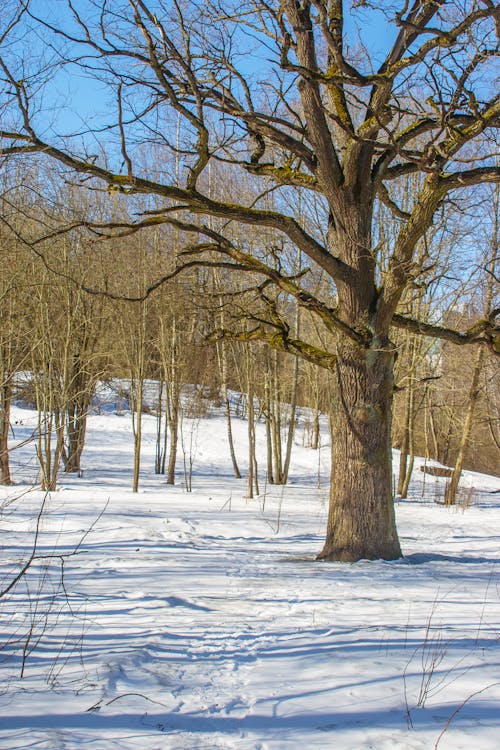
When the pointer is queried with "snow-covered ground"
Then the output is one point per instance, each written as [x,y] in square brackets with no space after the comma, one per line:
[200,620]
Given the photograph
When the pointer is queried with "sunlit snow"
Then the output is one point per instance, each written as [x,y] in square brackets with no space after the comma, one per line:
[200,620]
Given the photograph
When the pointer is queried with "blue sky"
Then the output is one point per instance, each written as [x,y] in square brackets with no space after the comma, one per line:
[77,101]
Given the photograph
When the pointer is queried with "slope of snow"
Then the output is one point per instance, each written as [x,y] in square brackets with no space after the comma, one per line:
[176,620]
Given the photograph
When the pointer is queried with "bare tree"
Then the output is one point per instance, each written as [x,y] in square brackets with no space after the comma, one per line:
[475,390]
[314,112]
[13,338]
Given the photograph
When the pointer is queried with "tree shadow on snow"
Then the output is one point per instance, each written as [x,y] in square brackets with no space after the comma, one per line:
[484,712]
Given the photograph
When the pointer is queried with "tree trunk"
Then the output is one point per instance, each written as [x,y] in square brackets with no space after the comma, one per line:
[361,523]
[252,462]
[291,423]
[5,399]
[269,438]
[434,434]
[450,496]
[223,368]
[137,389]
[409,472]
[162,427]
[76,427]
[76,442]
[407,458]
[316,431]
[159,421]
[276,421]
[174,432]
[405,442]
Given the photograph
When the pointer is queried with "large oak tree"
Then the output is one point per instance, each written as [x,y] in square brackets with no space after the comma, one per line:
[288,98]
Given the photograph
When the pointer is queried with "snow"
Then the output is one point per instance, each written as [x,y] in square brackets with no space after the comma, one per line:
[201,620]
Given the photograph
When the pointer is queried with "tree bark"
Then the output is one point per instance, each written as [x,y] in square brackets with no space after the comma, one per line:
[252,479]
[450,496]
[316,431]
[173,424]
[223,368]
[407,458]
[276,406]
[269,437]
[76,427]
[5,399]
[137,389]
[160,445]
[361,522]
[405,441]
[291,423]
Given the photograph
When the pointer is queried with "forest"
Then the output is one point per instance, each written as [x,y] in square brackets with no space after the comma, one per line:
[249,381]
[314,178]
[68,325]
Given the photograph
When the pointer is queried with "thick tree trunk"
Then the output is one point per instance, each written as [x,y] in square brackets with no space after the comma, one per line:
[80,390]
[361,523]
[76,429]
[76,444]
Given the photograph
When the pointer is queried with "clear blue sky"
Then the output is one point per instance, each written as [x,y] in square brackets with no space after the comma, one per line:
[79,102]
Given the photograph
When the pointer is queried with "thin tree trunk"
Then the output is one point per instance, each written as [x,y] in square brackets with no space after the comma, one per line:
[172,375]
[450,496]
[474,392]
[276,422]
[293,402]
[432,424]
[5,402]
[405,442]
[251,442]
[137,428]
[291,424]
[222,357]
[162,427]
[174,433]
[316,430]
[409,472]
[137,393]
[269,437]
[58,448]
[166,424]
[409,429]
[447,444]
[159,431]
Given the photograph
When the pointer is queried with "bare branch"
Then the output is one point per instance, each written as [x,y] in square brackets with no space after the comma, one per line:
[484,331]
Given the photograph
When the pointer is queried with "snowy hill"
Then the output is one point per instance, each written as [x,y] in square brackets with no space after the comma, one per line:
[175,620]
